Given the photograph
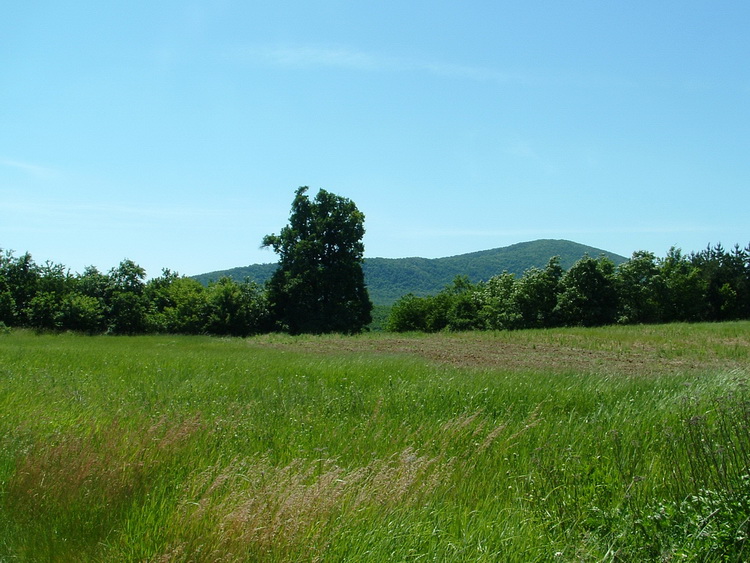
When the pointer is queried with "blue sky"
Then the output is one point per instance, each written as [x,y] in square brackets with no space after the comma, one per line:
[174,133]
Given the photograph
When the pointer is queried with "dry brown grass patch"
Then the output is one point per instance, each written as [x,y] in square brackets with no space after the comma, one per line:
[557,352]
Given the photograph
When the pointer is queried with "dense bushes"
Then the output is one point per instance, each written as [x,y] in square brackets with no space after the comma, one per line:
[711,285]
[121,301]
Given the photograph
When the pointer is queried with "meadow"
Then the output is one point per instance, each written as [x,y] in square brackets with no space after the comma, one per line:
[626,443]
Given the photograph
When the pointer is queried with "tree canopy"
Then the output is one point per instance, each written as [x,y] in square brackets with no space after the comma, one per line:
[319,286]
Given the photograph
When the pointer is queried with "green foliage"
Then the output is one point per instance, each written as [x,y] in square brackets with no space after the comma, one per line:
[82,313]
[454,308]
[499,307]
[537,293]
[587,293]
[380,316]
[463,306]
[93,283]
[726,281]
[181,305]
[7,307]
[18,285]
[707,517]
[123,302]
[127,304]
[236,309]
[53,278]
[177,304]
[706,526]
[409,314]
[319,286]
[502,303]
[640,288]
[126,313]
[684,288]
[128,277]
[43,311]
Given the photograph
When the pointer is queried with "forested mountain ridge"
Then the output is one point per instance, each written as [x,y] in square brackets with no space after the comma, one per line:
[388,279]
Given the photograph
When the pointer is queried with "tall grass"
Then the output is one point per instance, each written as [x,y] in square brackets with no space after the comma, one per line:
[294,449]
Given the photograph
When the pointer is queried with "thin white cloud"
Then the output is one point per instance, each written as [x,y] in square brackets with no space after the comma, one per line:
[305,57]
[312,57]
[524,151]
[32,169]
[61,210]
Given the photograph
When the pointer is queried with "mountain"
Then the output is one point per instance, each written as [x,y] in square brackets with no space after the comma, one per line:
[388,279]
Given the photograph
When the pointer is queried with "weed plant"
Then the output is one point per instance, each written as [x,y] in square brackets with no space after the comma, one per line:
[166,448]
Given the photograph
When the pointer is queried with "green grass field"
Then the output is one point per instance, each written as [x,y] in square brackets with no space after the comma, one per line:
[612,444]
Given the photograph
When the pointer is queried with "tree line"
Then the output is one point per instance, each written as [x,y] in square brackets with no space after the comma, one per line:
[319,287]
[121,301]
[710,285]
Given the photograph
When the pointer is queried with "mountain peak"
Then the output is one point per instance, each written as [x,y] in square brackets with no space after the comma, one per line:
[388,279]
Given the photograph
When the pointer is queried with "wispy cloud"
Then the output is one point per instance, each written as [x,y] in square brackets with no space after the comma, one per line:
[32,169]
[76,211]
[475,73]
[341,57]
[525,151]
[311,57]
[306,57]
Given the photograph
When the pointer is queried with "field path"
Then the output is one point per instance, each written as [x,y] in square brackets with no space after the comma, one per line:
[621,350]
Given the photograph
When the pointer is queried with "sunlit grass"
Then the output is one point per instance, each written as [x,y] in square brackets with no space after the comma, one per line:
[327,448]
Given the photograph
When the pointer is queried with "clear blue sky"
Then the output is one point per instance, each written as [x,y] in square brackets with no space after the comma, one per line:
[174,133]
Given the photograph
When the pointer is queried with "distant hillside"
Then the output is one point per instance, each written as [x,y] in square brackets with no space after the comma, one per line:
[388,279]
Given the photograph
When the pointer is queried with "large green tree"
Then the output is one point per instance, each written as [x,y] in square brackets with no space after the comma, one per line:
[588,295]
[640,289]
[319,286]
[127,305]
